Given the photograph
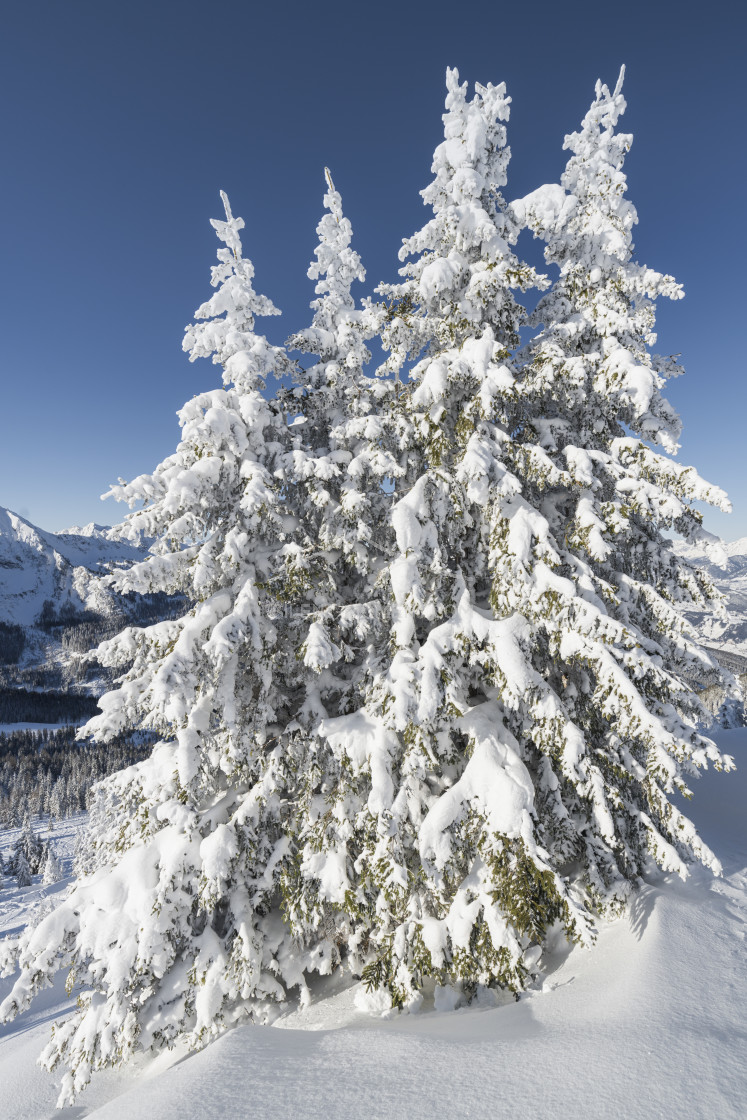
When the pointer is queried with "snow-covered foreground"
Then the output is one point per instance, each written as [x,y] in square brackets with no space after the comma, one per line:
[651,1023]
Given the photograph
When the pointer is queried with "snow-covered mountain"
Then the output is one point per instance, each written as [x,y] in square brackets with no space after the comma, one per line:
[726,564]
[36,565]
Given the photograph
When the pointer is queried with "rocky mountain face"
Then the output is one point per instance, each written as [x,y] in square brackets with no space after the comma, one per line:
[54,607]
[725,634]
[60,568]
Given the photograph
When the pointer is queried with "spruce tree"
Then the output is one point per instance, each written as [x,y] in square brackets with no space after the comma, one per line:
[344,450]
[522,727]
[21,868]
[30,844]
[191,842]
[52,868]
[449,875]
[351,443]
[592,395]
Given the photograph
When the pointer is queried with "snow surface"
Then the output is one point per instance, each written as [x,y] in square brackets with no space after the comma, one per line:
[650,1023]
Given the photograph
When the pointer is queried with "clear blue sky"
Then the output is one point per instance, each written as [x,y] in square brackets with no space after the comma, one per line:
[120,124]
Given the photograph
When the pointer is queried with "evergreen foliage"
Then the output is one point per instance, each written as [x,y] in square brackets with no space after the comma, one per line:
[426,702]
[28,853]
[21,869]
[22,705]
[12,643]
[48,773]
[52,868]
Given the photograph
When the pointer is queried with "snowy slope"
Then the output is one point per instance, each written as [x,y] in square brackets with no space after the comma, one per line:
[36,565]
[650,1023]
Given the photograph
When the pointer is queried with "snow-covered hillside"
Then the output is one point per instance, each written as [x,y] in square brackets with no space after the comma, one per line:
[36,565]
[727,566]
[649,1023]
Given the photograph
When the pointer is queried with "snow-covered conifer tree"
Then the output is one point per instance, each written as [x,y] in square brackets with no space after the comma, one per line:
[21,869]
[341,453]
[591,394]
[191,842]
[512,758]
[347,444]
[52,868]
[350,441]
[460,283]
[445,872]
[30,844]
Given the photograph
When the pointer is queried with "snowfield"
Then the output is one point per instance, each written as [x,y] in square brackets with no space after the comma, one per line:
[651,1023]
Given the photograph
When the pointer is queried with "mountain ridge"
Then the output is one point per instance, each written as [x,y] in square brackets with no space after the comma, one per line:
[726,563]
[37,565]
